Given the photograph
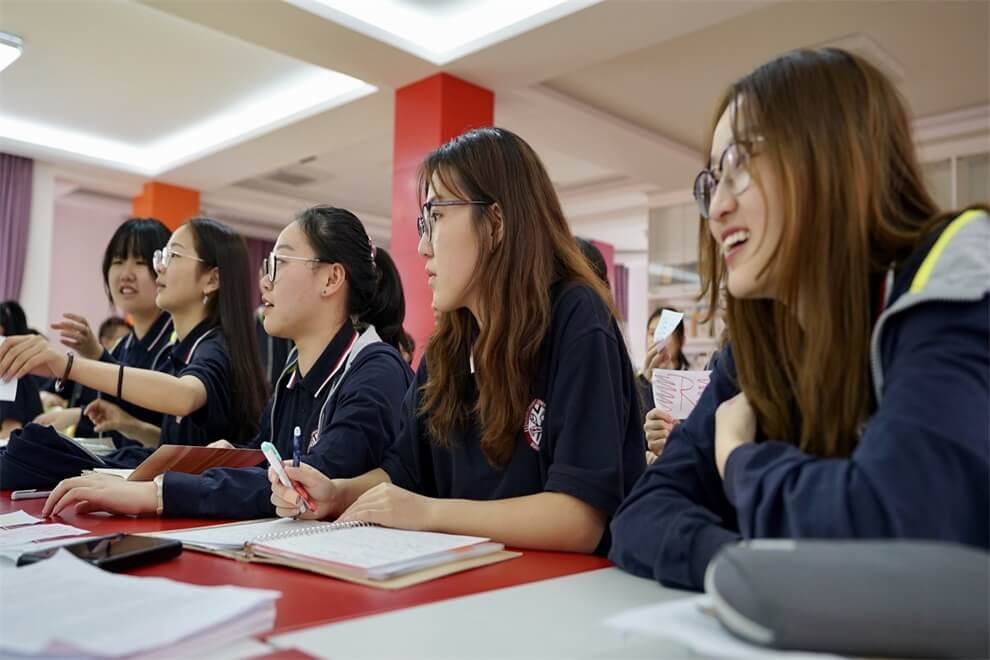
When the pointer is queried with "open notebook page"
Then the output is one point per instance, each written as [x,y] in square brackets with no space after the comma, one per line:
[367,547]
[234,536]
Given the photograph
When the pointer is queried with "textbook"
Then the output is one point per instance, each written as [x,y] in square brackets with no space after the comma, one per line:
[191,460]
[355,551]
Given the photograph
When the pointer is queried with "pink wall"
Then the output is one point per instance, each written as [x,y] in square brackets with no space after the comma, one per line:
[82,227]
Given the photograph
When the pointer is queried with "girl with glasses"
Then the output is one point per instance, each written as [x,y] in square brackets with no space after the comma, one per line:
[202,393]
[851,400]
[129,282]
[522,424]
[340,300]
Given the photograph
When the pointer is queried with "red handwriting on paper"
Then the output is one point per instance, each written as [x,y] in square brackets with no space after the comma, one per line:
[678,392]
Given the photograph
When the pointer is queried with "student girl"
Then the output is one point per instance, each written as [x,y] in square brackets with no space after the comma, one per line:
[340,300]
[522,424]
[129,281]
[852,398]
[204,395]
[657,423]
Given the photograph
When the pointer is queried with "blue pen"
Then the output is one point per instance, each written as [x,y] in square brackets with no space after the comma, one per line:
[296,434]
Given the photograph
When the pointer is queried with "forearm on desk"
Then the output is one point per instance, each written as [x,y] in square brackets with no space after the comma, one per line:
[544,521]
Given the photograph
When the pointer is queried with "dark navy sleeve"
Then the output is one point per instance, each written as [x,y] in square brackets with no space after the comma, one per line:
[920,469]
[211,365]
[408,460]
[218,493]
[588,410]
[26,404]
[677,516]
[365,417]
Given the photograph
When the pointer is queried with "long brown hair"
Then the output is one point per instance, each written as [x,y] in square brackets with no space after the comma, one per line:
[514,278]
[854,203]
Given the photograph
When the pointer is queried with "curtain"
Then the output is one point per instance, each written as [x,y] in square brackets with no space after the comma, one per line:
[16,175]
[620,289]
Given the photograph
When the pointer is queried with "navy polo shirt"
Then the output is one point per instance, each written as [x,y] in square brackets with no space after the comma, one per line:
[581,434]
[347,414]
[26,404]
[275,352]
[141,353]
[203,354]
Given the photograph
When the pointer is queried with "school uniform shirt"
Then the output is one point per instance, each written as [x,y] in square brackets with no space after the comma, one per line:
[581,434]
[920,468]
[26,404]
[347,408]
[203,354]
[144,353]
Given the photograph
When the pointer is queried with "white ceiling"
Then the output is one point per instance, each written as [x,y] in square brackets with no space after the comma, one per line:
[615,96]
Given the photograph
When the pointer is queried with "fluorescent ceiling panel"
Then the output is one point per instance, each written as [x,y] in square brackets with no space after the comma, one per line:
[265,110]
[446,31]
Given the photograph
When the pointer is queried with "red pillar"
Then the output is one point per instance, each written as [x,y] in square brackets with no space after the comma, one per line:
[428,113]
[173,205]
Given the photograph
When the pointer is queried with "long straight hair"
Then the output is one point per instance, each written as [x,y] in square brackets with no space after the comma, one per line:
[536,252]
[231,310]
[854,203]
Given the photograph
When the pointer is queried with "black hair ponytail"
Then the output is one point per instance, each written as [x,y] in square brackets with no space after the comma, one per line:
[374,290]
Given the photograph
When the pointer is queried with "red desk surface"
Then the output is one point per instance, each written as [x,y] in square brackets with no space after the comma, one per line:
[309,599]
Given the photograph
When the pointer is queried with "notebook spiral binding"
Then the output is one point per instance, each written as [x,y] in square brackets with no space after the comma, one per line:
[312,529]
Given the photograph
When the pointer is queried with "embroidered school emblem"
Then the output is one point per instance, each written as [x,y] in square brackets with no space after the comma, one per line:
[533,428]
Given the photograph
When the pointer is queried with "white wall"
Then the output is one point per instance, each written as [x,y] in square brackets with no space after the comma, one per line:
[639,305]
[82,227]
[36,283]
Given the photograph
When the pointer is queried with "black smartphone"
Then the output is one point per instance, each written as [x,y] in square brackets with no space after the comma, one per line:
[116,553]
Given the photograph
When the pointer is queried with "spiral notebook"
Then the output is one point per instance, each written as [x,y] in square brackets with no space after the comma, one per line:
[357,552]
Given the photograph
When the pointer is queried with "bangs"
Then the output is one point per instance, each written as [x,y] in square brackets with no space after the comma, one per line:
[438,166]
[126,244]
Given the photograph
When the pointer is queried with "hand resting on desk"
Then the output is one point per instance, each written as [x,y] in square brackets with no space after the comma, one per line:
[103,492]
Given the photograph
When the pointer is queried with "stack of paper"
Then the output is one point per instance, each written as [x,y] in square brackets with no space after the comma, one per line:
[21,533]
[67,608]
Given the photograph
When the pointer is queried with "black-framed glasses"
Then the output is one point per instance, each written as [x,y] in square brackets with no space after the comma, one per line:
[160,259]
[269,267]
[425,222]
[733,168]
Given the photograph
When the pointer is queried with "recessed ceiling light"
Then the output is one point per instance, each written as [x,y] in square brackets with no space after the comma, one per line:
[445,31]
[287,101]
[10,49]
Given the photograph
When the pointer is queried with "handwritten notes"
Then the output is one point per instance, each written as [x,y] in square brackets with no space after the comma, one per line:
[678,392]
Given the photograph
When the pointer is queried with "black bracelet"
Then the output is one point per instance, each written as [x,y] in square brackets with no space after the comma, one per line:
[120,382]
[60,382]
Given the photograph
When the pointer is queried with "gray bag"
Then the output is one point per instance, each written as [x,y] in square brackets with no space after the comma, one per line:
[896,598]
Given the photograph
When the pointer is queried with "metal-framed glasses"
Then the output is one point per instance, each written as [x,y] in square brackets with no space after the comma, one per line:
[160,259]
[270,266]
[425,222]
[733,168]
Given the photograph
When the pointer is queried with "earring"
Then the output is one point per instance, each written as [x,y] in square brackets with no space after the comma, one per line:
[206,298]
